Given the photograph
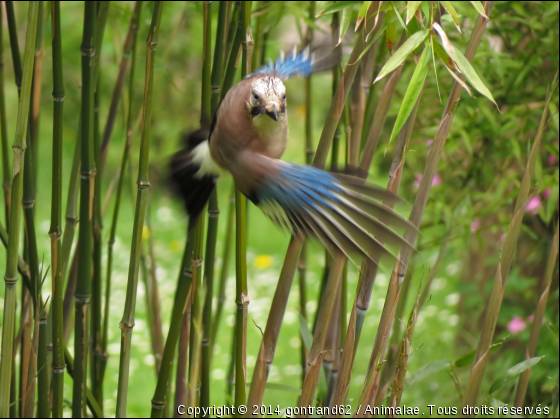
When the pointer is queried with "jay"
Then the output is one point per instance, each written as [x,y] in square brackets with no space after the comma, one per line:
[248,136]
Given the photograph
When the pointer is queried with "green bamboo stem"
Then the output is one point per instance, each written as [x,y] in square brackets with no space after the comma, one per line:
[36,90]
[14,47]
[196,331]
[87,180]
[181,377]
[93,405]
[129,45]
[184,283]
[43,373]
[212,236]
[6,178]
[537,320]
[241,292]
[224,272]
[130,48]
[127,322]
[232,33]
[96,358]
[55,231]
[11,274]
[506,257]
[219,49]
[205,106]
[302,264]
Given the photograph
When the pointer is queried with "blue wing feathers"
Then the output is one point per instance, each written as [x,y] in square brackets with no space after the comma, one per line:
[307,199]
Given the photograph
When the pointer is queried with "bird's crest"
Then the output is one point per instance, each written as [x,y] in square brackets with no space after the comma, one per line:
[302,64]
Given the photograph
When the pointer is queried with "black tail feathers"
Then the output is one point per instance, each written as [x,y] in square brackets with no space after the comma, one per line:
[195,190]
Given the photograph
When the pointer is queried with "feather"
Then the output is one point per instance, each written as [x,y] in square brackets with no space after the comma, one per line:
[308,200]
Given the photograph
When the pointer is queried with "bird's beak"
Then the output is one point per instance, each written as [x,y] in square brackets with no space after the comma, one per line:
[272,111]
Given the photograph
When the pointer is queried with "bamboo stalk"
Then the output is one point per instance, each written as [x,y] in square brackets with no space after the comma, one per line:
[93,405]
[219,50]
[96,358]
[130,48]
[6,178]
[506,256]
[183,286]
[55,230]
[43,373]
[127,322]
[537,320]
[87,180]
[181,378]
[241,293]
[36,90]
[205,106]
[129,45]
[11,274]
[224,272]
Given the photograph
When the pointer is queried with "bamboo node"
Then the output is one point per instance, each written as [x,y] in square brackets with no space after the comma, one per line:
[10,281]
[158,405]
[125,327]
[143,185]
[28,204]
[59,369]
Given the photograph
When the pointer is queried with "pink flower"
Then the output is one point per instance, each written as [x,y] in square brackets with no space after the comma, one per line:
[533,205]
[435,182]
[516,324]
[430,142]
[546,193]
[552,160]
[475,225]
[530,318]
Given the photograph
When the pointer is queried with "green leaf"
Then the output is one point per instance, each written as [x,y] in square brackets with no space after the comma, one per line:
[479,8]
[425,371]
[306,335]
[413,91]
[551,203]
[345,22]
[400,55]
[463,64]
[468,358]
[452,12]
[411,8]
[377,35]
[337,7]
[513,372]
[399,17]
[362,13]
[458,80]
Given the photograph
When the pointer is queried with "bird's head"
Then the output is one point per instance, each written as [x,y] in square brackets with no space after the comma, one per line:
[267,99]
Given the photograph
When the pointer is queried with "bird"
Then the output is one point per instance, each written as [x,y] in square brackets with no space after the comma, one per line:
[247,138]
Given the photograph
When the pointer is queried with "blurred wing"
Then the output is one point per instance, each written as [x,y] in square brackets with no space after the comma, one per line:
[302,64]
[341,212]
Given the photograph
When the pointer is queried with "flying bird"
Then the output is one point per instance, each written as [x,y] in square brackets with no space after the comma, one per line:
[248,136]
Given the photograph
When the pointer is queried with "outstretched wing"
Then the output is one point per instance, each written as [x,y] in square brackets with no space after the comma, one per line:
[342,212]
[302,64]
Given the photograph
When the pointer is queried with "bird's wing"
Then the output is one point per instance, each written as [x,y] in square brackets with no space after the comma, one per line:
[302,64]
[340,211]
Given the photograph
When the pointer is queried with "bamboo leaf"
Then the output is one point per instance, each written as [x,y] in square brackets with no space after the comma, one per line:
[411,8]
[337,6]
[426,371]
[479,8]
[452,12]
[464,65]
[468,358]
[305,333]
[413,91]
[399,17]
[362,13]
[400,55]
[345,22]
[377,35]
[461,82]
[442,55]
[513,372]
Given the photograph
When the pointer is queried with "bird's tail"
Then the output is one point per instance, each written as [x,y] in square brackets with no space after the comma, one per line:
[342,211]
[190,174]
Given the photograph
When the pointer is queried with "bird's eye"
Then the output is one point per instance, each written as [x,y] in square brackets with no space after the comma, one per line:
[284,98]
[255,97]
